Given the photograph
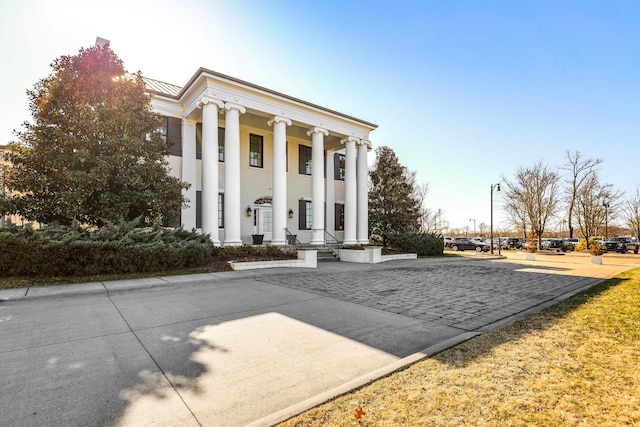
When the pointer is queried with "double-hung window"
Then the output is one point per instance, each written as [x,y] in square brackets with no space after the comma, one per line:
[255,150]
[163,129]
[304,160]
[339,218]
[304,215]
[221,144]
[221,210]
[338,167]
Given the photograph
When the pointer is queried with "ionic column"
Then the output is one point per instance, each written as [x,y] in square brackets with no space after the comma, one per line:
[363,193]
[232,208]
[279,184]
[350,192]
[188,175]
[210,167]
[317,184]
[330,195]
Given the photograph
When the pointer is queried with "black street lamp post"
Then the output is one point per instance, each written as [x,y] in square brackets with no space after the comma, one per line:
[606,220]
[497,187]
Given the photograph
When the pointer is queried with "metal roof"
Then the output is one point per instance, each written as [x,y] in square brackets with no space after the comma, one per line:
[162,88]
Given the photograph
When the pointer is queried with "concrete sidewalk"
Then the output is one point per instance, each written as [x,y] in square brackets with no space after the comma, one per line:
[242,348]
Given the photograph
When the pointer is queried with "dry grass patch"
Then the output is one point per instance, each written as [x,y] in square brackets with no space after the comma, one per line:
[577,363]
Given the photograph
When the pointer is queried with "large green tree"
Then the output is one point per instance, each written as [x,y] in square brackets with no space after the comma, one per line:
[394,202]
[92,151]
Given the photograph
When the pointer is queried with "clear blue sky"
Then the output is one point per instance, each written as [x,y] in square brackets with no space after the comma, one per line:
[463,91]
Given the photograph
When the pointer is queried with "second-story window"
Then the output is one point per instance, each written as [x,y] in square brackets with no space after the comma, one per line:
[304,160]
[255,150]
[338,167]
[221,144]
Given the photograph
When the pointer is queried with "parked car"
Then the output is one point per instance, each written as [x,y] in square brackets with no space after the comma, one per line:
[464,244]
[514,243]
[620,244]
[545,242]
[561,244]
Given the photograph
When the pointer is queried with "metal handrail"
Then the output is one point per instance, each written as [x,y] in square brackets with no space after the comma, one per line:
[294,238]
[332,240]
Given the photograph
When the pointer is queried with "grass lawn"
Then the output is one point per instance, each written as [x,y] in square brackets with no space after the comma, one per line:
[574,364]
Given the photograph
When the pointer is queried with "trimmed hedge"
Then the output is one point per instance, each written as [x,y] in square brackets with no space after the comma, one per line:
[423,244]
[78,251]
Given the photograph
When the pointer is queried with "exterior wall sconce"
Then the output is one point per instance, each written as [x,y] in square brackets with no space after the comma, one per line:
[290,213]
[249,211]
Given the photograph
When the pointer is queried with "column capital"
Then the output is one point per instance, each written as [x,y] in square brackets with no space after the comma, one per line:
[349,139]
[231,106]
[187,121]
[209,100]
[318,130]
[279,119]
[365,142]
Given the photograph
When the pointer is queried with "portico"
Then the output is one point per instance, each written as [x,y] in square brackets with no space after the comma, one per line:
[238,142]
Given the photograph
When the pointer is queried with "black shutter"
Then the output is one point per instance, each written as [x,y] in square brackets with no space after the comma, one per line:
[336,166]
[198,209]
[324,163]
[198,140]
[302,214]
[302,159]
[174,135]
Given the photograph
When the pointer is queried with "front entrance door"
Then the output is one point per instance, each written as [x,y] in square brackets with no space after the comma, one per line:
[265,222]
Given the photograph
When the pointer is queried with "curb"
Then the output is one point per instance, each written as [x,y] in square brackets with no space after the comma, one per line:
[398,365]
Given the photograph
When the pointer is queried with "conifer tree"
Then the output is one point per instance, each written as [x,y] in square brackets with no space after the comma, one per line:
[393,205]
[91,152]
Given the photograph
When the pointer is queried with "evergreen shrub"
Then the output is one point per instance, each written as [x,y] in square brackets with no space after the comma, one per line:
[423,244]
[113,249]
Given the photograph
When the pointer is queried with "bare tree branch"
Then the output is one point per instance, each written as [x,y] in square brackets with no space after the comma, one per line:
[532,198]
[580,169]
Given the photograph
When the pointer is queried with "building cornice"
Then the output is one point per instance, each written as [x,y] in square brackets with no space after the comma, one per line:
[206,73]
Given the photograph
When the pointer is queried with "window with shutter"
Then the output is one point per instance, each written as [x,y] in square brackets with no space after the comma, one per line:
[339,218]
[304,160]
[174,135]
[304,215]
[198,209]
[338,167]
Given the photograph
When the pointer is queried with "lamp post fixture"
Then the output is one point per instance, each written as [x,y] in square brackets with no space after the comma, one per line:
[497,187]
[606,221]
[474,226]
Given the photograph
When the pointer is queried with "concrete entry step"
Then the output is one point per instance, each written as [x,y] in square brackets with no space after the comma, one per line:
[324,254]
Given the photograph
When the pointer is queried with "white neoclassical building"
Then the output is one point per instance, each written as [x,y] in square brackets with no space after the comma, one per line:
[263,163]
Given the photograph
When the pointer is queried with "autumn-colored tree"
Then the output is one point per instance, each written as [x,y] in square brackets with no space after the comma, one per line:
[394,204]
[92,152]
